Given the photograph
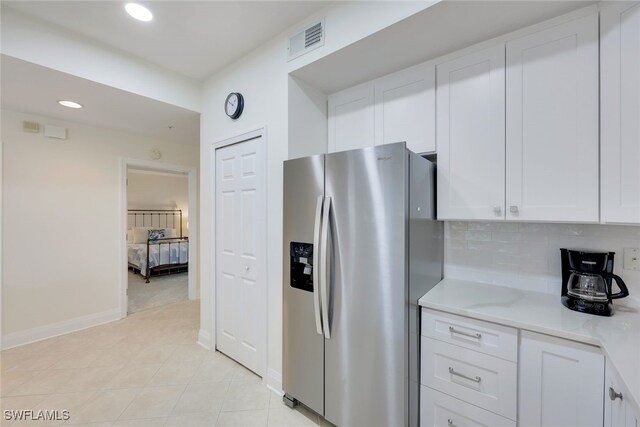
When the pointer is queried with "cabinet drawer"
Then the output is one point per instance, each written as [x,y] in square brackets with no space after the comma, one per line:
[440,410]
[489,338]
[476,378]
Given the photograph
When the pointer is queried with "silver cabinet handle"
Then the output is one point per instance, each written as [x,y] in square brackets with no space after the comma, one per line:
[613,395]
[466,334]
[324,292]
[513,210]
[450,423]
[316,264]
[458,374]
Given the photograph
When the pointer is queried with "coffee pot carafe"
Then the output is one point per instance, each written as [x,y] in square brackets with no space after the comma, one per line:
[587,282]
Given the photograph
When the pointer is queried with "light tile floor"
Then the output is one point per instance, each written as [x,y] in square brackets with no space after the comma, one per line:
[145,370]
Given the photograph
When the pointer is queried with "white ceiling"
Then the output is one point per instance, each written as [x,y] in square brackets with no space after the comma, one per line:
[193,38]
[34,89]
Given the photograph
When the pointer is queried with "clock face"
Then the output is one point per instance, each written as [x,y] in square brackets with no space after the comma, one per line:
[234,105]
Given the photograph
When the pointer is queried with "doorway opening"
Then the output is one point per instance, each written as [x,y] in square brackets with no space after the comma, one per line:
[159,213]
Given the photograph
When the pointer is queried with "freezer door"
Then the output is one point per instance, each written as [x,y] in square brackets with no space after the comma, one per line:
[366,357]
[303,360]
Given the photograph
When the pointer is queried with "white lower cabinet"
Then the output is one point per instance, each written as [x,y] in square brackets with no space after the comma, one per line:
[441,410]
[544,382]
[561,382]
[618,410]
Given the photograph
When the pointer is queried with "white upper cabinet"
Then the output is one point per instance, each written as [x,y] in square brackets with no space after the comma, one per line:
[552,142]
[351,118]
[405,105]
[620,111]
[561,382]
[471,136]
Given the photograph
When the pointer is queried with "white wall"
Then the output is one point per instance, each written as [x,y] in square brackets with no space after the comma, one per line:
[61,218]
[262,77]
[527,255]
[153,190]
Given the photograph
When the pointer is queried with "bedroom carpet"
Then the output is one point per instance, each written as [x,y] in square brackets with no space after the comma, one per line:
[144,370]
[161,291]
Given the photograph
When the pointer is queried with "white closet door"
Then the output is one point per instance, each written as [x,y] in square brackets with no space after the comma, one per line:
[241,253]
[620,111]
[351,118]
[470,134]
[552,124]
[405,108]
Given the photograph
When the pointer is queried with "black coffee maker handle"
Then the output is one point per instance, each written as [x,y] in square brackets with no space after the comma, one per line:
[624,292]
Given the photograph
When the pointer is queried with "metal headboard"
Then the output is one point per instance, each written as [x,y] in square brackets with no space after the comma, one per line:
[155,218]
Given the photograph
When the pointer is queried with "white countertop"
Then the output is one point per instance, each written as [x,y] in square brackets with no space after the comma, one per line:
[618,336]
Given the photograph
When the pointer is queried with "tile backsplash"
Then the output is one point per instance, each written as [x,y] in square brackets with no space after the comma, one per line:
[527,255]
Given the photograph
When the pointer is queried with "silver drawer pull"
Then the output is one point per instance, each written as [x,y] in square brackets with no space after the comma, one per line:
[450,423]
[466,334]
[458,374]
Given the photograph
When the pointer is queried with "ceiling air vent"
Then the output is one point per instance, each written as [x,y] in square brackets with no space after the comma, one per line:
[306,40]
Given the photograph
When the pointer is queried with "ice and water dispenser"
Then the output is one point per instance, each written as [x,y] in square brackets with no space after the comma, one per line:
[301,266]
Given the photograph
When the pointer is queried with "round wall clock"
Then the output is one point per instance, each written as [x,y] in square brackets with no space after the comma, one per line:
[234,104]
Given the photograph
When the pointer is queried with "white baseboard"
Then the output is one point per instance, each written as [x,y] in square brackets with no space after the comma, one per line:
[204,339]
[274,381]
[40,333]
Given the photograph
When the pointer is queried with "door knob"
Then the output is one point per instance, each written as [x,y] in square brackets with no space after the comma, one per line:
[613,395]
[513,210]
[246,268]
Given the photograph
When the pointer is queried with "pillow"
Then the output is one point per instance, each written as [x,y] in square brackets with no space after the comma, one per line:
[155,234]
[170,232]
[130,236]
[140,234]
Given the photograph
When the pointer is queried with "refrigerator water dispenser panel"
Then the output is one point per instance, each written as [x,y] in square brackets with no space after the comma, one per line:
[301,255]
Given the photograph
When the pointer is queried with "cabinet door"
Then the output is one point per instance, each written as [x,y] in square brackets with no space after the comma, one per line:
[618,410]
[351,118]
[561,382]
[552,124]
[620,98]
[405,108]
[471,134]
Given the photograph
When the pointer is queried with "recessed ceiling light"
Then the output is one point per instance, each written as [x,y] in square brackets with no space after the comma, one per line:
[138,11]
[70,104]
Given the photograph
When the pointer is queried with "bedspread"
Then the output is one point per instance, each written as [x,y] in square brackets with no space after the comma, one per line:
[159,254]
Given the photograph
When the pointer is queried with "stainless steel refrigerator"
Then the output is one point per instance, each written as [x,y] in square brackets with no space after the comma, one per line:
[361,246]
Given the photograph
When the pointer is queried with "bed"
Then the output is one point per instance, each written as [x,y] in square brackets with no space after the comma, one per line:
[155,242]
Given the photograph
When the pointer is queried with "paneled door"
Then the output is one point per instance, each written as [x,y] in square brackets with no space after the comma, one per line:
[561,382]
[552,124]
[405,108]
[470,134]
[240,267]
[351,118]
[620,110]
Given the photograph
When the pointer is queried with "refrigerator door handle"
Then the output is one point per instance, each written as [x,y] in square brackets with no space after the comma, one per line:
[324,285]
[316,264]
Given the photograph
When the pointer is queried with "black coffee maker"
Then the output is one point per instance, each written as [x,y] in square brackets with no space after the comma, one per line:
[587,279]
